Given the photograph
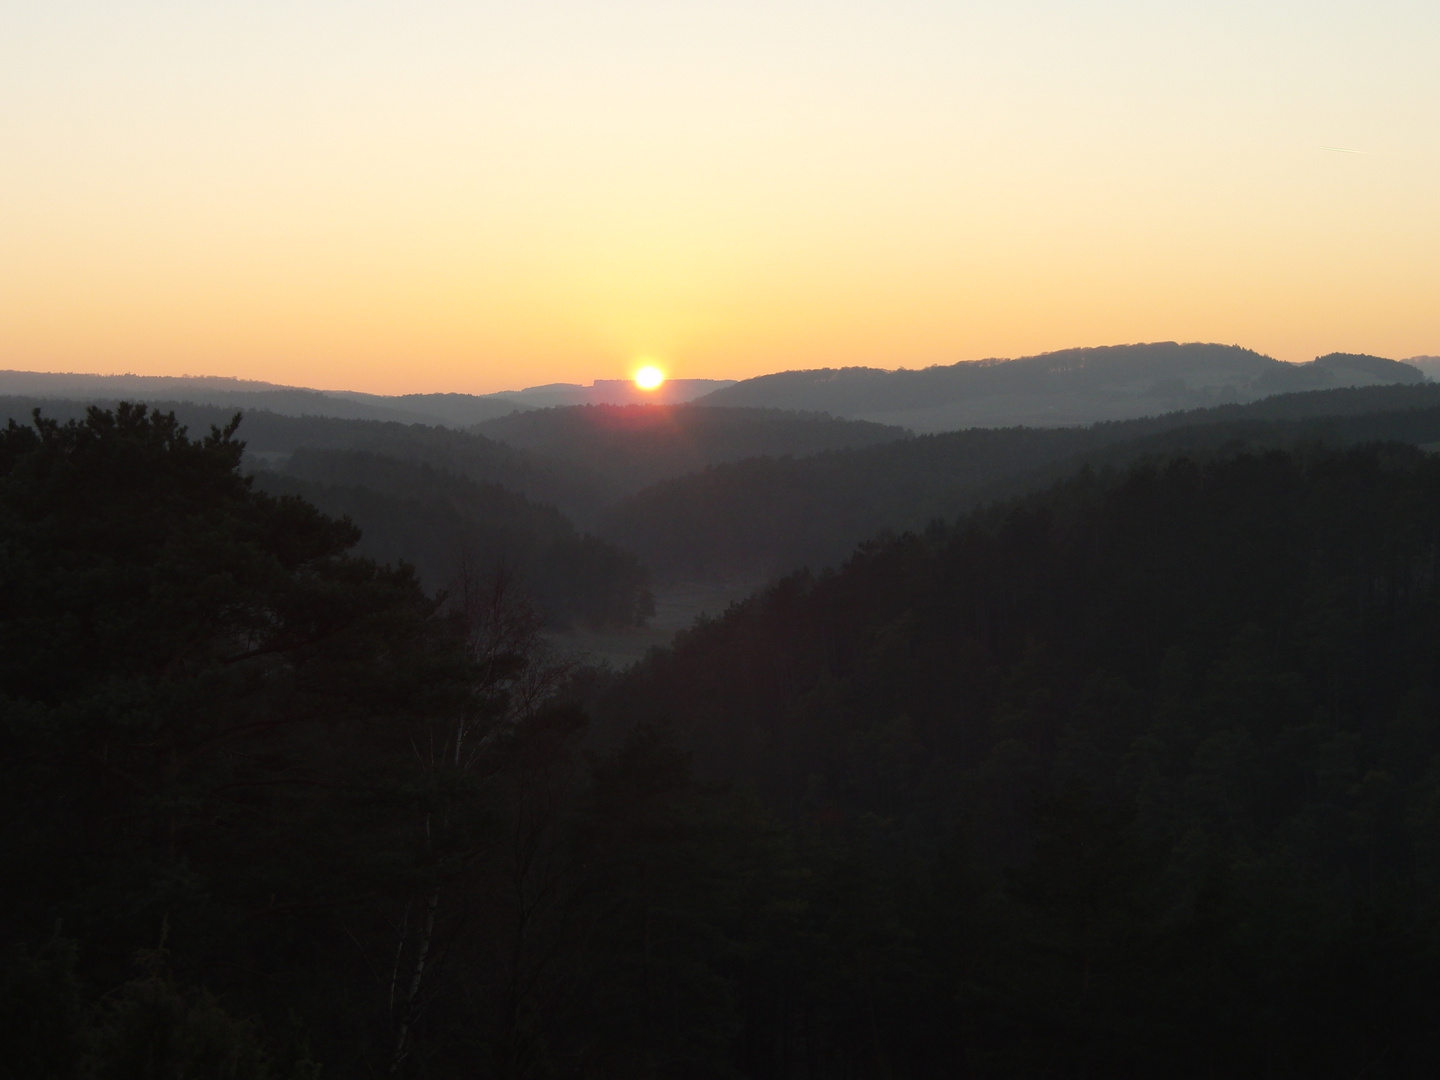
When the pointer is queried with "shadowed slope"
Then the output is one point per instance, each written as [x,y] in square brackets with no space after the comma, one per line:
[636,445]
[768,515]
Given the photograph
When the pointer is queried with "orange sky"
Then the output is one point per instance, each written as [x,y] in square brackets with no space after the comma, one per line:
[448,196]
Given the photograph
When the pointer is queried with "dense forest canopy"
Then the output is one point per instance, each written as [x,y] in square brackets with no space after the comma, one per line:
[208,705]
[1138,776]
[266,804]
[1126,764]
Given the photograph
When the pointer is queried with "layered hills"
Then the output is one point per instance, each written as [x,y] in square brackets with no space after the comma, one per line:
[450,501]
[762,516]
[1133,776]
[1073,386]
[637,445]
[451,410]
[713,495]
[1101,750]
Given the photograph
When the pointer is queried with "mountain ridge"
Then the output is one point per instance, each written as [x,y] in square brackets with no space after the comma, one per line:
[1061,388]
[449,409]
[763,516]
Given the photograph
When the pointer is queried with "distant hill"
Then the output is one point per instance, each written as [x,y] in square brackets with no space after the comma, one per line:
[271,438]
[450,410]
[210,390]
[1074,386]
[636,445]
[1429,365]
[769,515]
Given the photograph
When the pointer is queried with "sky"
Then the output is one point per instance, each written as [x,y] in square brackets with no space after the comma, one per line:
[478,196]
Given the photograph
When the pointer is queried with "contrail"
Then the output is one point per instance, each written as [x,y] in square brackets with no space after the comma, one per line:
[1341,150]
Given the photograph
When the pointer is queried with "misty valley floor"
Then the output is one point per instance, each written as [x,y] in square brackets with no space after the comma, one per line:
[677,607]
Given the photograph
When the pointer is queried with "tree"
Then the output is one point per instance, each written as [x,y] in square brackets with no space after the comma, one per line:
[211,714]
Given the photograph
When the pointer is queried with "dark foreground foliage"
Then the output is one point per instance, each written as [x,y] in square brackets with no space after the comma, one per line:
[1138,777]
[333,819]
[438,499]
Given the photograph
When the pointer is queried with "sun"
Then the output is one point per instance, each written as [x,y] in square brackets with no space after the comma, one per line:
[649,377]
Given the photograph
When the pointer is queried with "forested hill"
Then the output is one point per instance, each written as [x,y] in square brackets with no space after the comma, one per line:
[244,771]
[449,503]
[636,445]
[1140,775]
[251,395]
[1073,386]
[577,458]
[449,409]
[270,436]
[447,526]
[766,516]
[1137,776]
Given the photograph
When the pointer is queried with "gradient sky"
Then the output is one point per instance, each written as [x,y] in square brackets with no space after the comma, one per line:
[478,196]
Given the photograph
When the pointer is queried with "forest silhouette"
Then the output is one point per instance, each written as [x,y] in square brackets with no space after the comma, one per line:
[1096,751]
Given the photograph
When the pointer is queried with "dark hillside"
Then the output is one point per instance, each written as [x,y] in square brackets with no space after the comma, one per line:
[1146,768]
[443,524]
[770,515]
[244,771]
[437,499]
[1137,776]
[637,445]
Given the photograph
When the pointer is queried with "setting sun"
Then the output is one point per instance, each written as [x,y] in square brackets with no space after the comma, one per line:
[649,377]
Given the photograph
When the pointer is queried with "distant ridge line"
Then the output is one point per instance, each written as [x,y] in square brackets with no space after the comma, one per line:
[1063,387]
[1060,388]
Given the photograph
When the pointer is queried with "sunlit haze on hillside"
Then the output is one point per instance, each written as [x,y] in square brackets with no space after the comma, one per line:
[473,197]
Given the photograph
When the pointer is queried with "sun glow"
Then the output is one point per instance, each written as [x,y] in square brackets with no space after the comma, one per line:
[649,377]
